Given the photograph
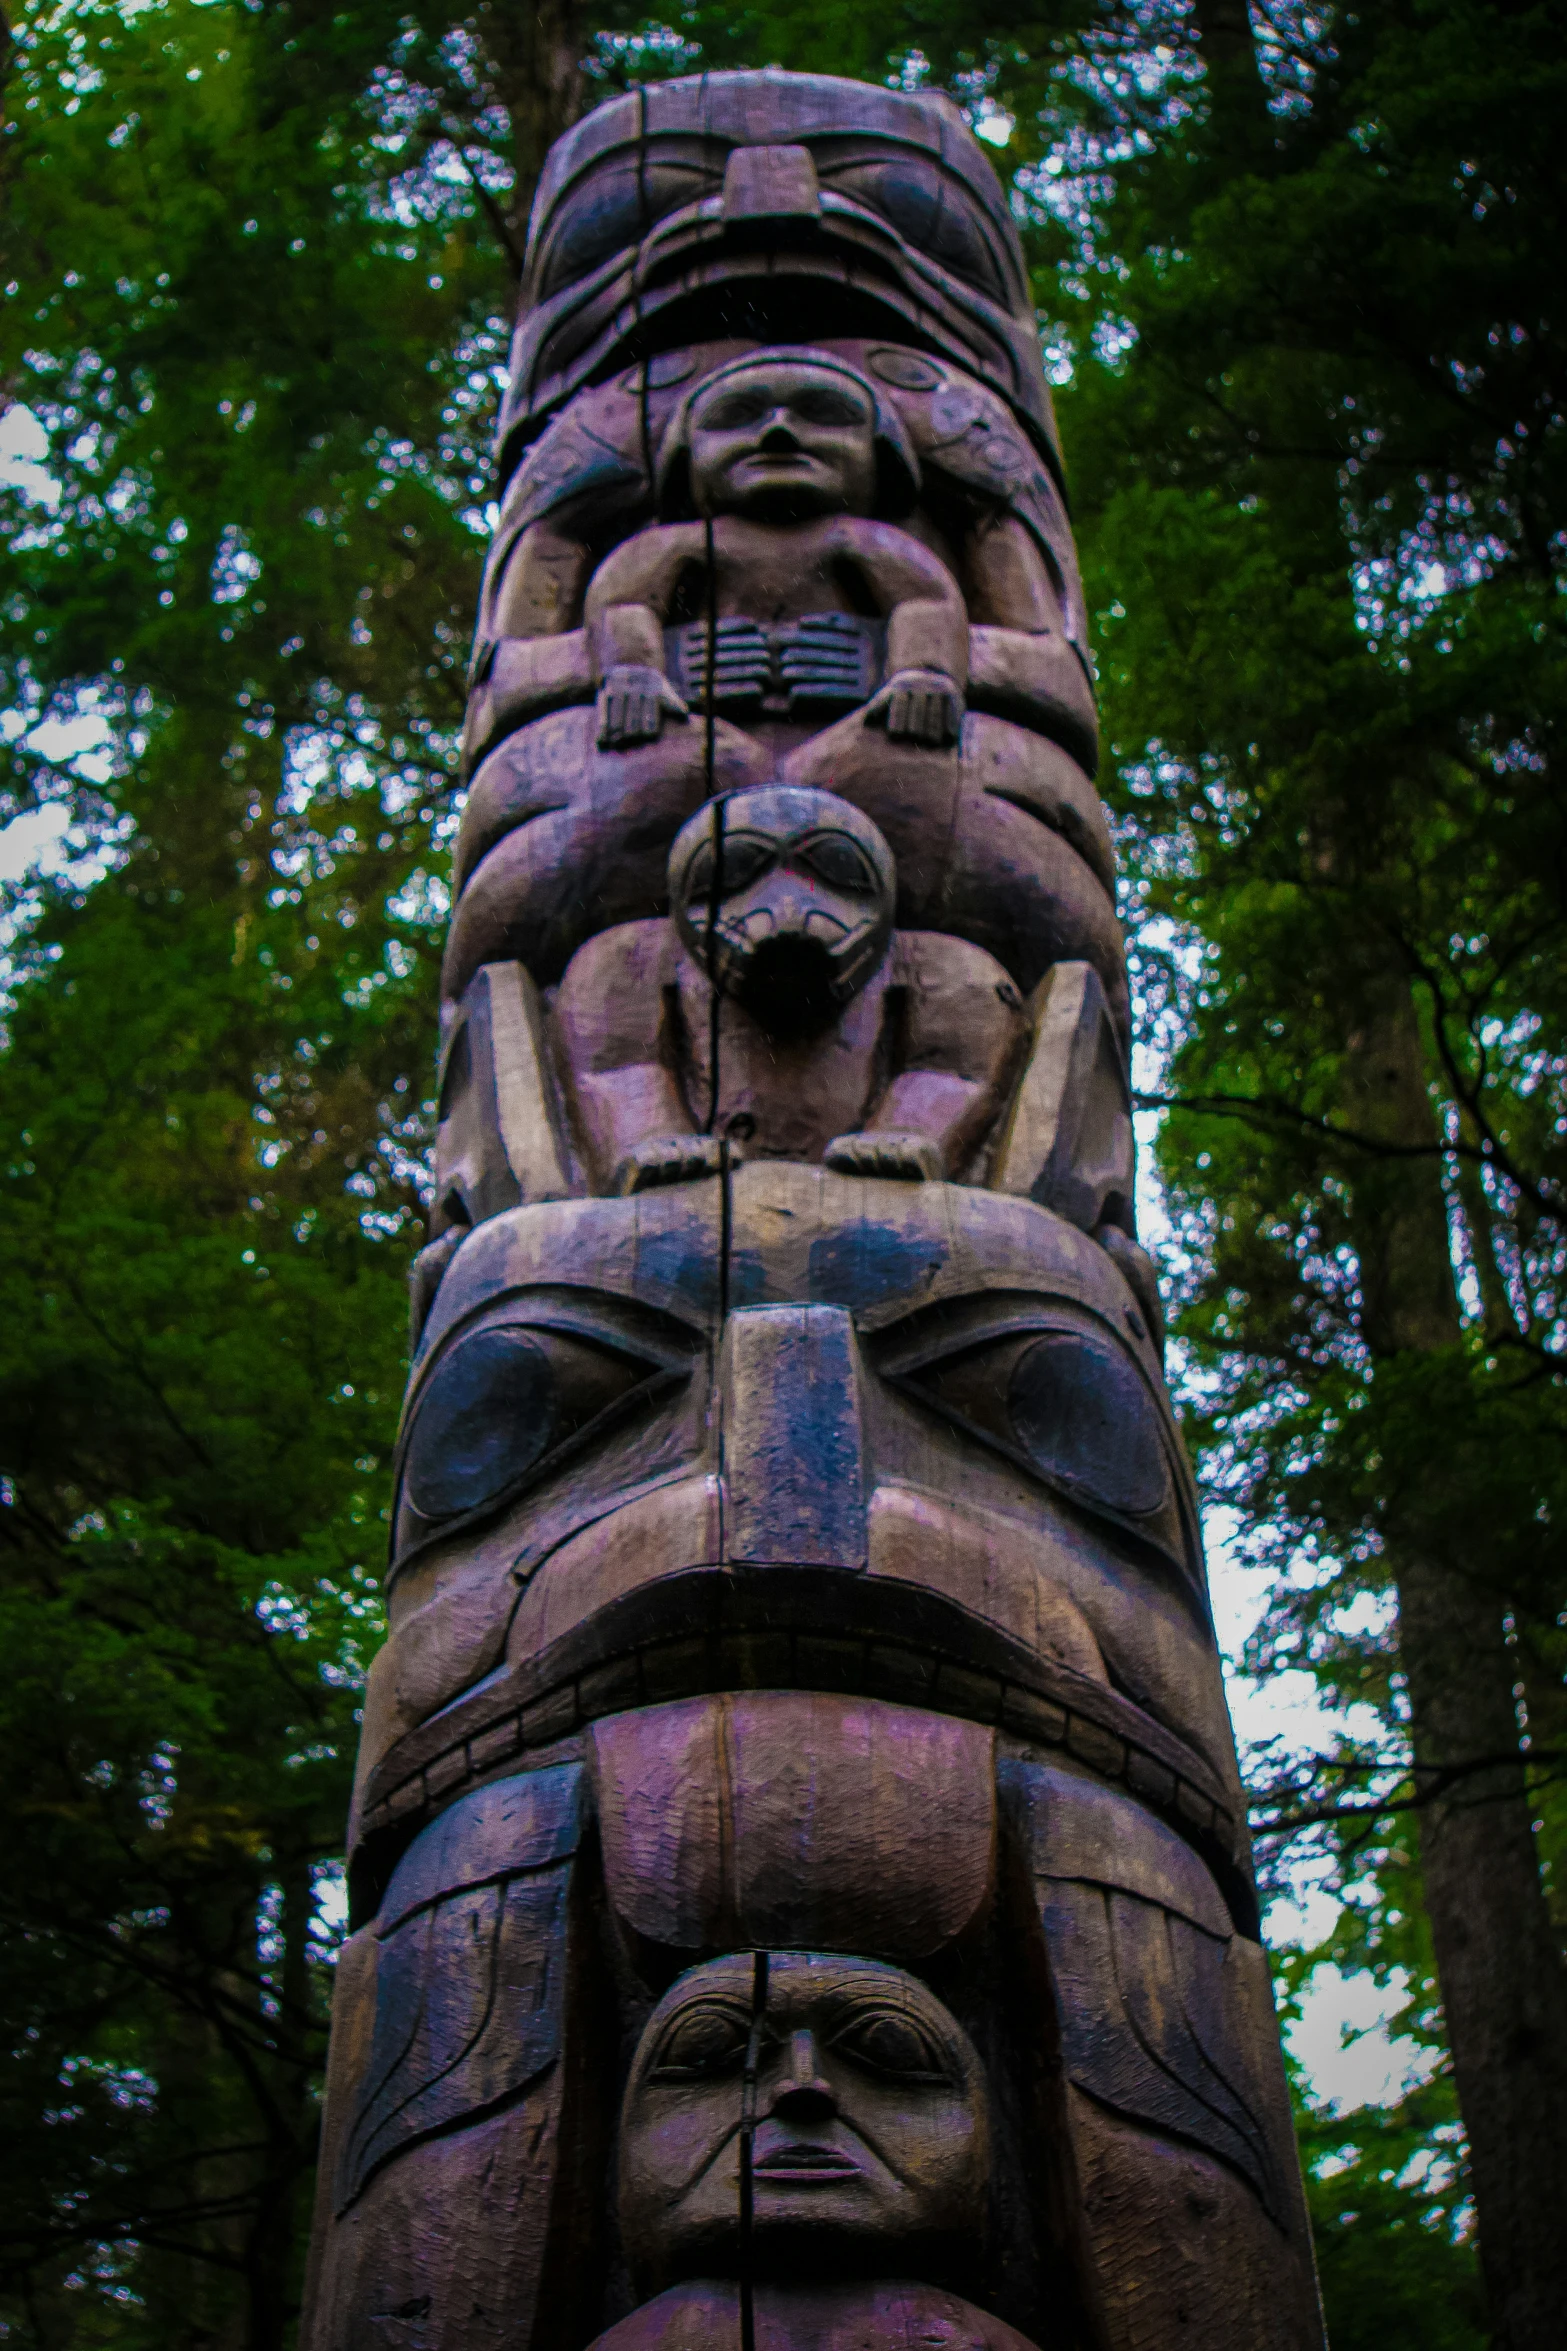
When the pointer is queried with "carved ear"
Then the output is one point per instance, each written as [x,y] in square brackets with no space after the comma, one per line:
[1158,1997]
[469,1984]
[499,1143]
[1067,1142]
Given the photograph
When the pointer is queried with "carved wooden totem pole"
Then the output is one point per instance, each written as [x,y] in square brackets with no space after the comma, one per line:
[801,1885]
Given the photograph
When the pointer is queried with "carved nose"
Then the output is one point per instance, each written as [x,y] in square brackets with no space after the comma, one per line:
[802,2095]
[794,1474]
[778,432]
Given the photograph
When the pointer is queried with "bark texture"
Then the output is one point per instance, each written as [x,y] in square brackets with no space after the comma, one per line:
[1504,1992]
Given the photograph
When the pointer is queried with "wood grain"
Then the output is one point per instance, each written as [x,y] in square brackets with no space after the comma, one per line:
[798,1867]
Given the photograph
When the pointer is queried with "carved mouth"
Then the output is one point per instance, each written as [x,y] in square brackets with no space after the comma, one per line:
[786,984]
[807,2164]
[705,1629]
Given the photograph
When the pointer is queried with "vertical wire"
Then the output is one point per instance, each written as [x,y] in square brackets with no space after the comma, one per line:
[709,777]
[636,289]
[715,895]
[753,2053]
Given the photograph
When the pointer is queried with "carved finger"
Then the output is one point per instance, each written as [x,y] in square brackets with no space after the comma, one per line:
[905,1158]
[631,708]
[667,1159]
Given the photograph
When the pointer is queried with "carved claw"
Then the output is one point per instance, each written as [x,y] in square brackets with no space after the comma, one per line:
[670,1159]
[633,704]
[918,706]
[907,1157]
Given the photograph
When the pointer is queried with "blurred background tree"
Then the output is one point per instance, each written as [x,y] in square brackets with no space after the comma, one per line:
[1297,278]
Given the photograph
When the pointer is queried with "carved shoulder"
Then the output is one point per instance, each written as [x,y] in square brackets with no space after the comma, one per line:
[645,569]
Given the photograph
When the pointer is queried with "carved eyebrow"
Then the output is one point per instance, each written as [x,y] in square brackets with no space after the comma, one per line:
[956,1327]
[625,1324]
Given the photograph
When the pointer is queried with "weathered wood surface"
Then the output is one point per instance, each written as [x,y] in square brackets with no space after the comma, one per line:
[801,1889]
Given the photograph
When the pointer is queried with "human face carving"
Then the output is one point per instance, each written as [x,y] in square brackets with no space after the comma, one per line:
[871,2145]
[782,442]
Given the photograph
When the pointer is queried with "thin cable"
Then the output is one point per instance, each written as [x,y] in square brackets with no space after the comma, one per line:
[642,229]
[753,2055]
[715,886]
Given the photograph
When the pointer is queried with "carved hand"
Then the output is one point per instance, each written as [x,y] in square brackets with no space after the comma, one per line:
[741,662]
[633,704]
[670,1159]
[918,706]
[896,1152]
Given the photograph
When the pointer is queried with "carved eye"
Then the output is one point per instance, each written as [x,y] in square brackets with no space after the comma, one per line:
[500,1402]
[706,2040]
[733,411]
[1082,1413]
[820,405]
[888,2041]
[604,217]
[747,857]
[610,212]
[929,212]
[839,863]
[488,1414]
[1072,1406]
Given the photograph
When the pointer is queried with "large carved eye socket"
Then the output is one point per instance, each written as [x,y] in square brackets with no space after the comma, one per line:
[889,2041]
[489,1413]
[605,217]
[838,862]
[1073,1407]
[929,212]
[1082,1413]
[499,1404]
[611,212]
[706,2040]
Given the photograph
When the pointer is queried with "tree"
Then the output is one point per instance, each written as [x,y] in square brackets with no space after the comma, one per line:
[263,366]
[1321,452]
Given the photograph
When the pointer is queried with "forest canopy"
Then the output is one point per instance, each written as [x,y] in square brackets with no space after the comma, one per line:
[1298,279]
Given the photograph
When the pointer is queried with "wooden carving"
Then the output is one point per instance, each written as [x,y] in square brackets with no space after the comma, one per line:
[801,1888]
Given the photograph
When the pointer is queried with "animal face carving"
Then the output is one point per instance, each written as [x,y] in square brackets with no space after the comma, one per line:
[641,212]
[870,2146]
[786,897]
[845,1433]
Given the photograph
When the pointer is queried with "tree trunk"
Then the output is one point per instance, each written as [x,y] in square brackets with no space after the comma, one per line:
[536,74]
[1503,1988]
[273,2250]
[1504,1992]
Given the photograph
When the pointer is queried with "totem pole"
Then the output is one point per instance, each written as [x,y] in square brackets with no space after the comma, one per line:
[800,1880]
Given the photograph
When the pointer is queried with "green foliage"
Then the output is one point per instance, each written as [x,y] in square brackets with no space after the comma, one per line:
[1392,2271]
[1324,498]
[262,372]
[1314,420]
